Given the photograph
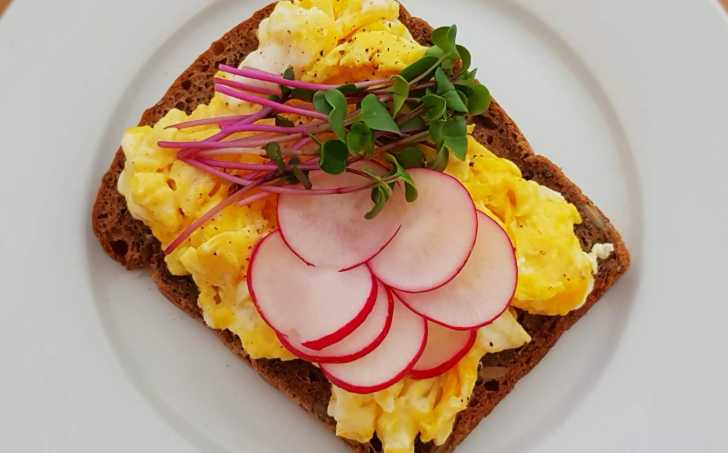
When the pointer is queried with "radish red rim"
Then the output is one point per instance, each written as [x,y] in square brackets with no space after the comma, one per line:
[448,364]
[351,240]
[364,389]
[349,322]
[312,357]
[481,292]
[349,327]
[416,236]
[440,323]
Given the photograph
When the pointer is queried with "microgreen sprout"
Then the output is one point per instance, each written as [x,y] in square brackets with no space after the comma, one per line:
[417,118]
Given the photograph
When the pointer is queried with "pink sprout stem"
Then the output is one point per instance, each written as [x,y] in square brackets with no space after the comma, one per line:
[253,198]
[220,120]
[187,232]
[247,87]
[248,142]
[231,152]
[238,165]
[251,167]
[215,172]
[267,128]
[277,106]
[264,76]
[292,190]
[301,143]
[261,141]
[224,133]
[299,191]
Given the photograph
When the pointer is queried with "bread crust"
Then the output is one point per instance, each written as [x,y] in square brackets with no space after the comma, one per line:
[132,244]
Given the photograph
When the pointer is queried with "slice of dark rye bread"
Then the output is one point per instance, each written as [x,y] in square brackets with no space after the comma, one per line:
[131,243]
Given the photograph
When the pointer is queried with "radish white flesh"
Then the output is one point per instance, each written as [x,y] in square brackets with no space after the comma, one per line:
[313,306]
[481,291]
[438,232]
[444,349]
[330,230]
[358,343]
[389,362]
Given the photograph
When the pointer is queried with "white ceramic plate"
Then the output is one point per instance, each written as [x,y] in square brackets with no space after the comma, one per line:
[631,98]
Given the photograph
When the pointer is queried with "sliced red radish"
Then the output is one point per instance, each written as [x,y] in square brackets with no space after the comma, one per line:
[481,291]
[444,349]
[313,306]
[357,344]
[389,362]
[330,230]
[437,235]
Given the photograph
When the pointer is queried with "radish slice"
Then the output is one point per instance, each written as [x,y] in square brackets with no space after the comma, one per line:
[444,349]
[481,291]
[330,230]
[360,342]
[389,362]
[437,236]
[312,306]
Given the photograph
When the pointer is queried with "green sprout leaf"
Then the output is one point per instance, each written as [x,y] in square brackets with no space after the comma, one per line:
[441,159]
[320,104]
[302,94]
[443,82]
[375,115]
[435,51]
[282,121]
[348,89]
[400,93]
[334,154]
[448,64]
[436,133]
[467,79]
[435,107]
[478,98]
[455,136]
[451,134]
[273,151]
[337,115]
[399,172]
[332,103]
[415,124]
[419,67]
[444,38]
[288,74]
[380,195]
[465,57]
[410,192]
[446,89]
[300,175]
[360,139]
[411,157]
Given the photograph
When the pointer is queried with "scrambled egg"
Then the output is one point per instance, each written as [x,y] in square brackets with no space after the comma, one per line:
[555,275]
[338,41]
[335,40]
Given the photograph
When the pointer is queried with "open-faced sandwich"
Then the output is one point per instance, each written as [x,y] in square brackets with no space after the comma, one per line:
[331,189]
